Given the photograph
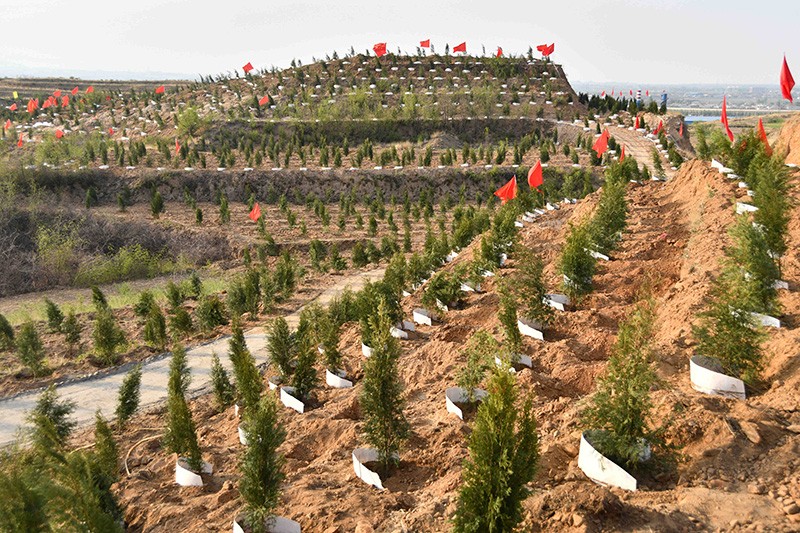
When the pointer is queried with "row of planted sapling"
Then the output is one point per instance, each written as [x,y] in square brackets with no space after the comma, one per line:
[743,299]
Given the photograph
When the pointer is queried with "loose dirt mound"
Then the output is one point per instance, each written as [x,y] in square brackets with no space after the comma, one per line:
[740,458]
[789,140]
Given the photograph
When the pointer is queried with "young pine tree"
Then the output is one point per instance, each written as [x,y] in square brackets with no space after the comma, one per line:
[98,298]
[31,350]
[6,334]
[248,380]
[156,204]
[480,349]
[508,320]
[50,420]
[180,436]
[282,348]
[503,457]
[221,385]
[54,315]
[128,395]
[620,412]
[72,331]
[385,426]
[108,337]
[155,328]
[529,287]
[261,465]
[576,264]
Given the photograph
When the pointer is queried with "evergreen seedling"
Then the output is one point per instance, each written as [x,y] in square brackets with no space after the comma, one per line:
[508,320]
[385,426]
[261,466]
[180,436]
[6,334]
[128,395]
[54,316]
[98,298]
[529,287]
[576,263]
[155,328]
[50,420]
[282,348]
[108,337]
[503,457]
[304,378]
[480,349]
[248,380]
[31,350]
[221,384]
[72,331]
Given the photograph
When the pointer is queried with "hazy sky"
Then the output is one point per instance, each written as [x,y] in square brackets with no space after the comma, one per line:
[653,41]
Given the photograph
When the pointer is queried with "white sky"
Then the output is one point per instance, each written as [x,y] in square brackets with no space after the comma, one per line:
[653,41]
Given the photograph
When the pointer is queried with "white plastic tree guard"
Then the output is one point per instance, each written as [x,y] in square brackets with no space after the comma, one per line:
[406,325]
[451,256]
[337,379]
[289,400]
[602,470]
[397,333]
[186,478]
[422,316]
[523,360]
[707,378]
[598,255]
[442,307]
[557,301]
[242,436]
[766,320]
[362,456]
[518,224]
[454,395]
[529,328]
[468,286]
[275,524]
[742,208]
[716,164]
[781,285]
[487,273]
[366,350]
[503,259]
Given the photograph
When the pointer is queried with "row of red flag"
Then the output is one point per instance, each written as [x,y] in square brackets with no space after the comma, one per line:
[509,190]
[380,49]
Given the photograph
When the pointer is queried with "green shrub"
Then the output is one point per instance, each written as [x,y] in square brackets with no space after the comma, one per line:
[180,322]
[155,329]
[503,458]
[304,378]
[248,380]
[210,312]
[529,289]
[480,350]
[507,315]
[50,420]
[6,334]
[221,385]
[444,287]
[54,315]
[98,298]
[146,301]
[128,395]
[156,204]
[576,263]
[108,337]
[359,258]
[31,350]
[174,294]
[282,348]
[71,329]
[750,258]
[180,436]
[621,408]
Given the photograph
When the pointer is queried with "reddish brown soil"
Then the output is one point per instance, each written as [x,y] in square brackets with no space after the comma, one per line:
[740,464]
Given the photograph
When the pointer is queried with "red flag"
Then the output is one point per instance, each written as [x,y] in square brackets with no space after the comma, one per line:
[57,93]
[90,89]
[19,142]
[660,127]
[549,50]
[59,134]
[64,101]
[47,103]
[763,135]
[379,49]
[255,214]
[264,100]
[724,118]
[111,131]
[647,92]
[631,91]
[637,122]
[601,144]
[8,123]
[603,94]
[160,89]
[461,47]
[31,106]
[499,52]
[247,68]
[177,147]
[542,47]
[680,131]
[535,177]
[13,107]
[622,155]
[425,44]
[787,81]
[74,91]
[508,191]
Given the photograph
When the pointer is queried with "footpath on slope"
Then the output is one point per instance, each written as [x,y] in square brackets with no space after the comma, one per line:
[100,393]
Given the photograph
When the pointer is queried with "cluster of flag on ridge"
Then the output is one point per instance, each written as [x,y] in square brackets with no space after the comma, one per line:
[509,190]
[380,48]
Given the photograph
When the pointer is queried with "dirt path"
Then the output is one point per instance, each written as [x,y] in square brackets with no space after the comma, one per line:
[100,392]
[640,148]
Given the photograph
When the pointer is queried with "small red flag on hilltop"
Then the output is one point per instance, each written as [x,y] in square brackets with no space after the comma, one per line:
[601,144]
[111,131]
[541,48]
[425,44]
[461,47]
[379,49]
[64,101]
[177,147]
[762,134]
[74,90]
[680,131]
[499,52]
[57,93]
[264,100]
[508,191]
[636,126]
[13,107]
[90,89]
[660,127]
[247,68]
[622,155]
[549,50]
[787,81]
[255,214]
[59,134]
[724,118]
[8,123]
[19,142]
[535,176]
[160,89]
